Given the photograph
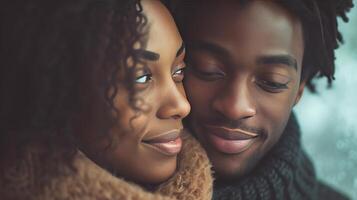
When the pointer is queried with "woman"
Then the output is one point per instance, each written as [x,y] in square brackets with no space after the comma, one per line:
[101,103]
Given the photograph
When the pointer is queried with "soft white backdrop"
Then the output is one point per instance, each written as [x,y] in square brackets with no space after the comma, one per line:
[329,119]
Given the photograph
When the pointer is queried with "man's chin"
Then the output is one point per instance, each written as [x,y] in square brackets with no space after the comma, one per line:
[232,167]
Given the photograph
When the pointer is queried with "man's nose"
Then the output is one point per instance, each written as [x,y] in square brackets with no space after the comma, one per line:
[235,102]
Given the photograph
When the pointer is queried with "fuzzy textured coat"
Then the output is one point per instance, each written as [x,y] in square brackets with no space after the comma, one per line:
[32,180]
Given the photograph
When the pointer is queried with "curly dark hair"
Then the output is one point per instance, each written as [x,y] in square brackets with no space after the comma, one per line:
[57,59]
[320,29]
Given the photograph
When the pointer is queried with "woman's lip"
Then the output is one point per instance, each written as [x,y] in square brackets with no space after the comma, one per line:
[168,143]
[164,137]
[169,148]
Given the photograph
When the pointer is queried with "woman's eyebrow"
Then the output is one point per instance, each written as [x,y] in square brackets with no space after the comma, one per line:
[147,55]
[153,56]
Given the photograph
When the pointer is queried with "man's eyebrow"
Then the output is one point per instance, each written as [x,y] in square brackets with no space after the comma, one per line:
[209,47]
[180,50]
[147,55]
[284,59]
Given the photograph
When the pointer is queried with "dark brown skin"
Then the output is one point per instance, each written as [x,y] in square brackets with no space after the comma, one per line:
[236,80]
[162,90]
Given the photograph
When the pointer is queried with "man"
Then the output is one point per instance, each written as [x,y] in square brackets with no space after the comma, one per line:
[249,62]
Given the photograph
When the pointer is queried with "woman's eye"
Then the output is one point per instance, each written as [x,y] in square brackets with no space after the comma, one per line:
[178,75]
[143,79]
[179,72]
[272,86]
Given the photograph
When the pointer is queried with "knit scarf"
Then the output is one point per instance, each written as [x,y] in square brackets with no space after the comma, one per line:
[284,173]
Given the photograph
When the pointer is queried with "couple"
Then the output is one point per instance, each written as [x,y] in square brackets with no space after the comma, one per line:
[96,95]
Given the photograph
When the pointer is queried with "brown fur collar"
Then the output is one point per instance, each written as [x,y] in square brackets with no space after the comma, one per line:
[29,180]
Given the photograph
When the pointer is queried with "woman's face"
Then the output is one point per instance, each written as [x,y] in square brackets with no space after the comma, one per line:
[144,145]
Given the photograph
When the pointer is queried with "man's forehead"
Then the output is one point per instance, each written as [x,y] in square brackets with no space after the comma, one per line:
[266,36]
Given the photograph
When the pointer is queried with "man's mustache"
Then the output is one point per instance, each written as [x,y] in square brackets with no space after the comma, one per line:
[237,124]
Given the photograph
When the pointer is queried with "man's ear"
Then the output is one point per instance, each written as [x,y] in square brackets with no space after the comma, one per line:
[300,91]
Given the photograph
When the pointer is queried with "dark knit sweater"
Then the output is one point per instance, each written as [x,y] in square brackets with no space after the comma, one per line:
[285,173]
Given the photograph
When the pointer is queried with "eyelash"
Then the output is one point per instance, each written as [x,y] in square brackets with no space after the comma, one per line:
[271,86]
[143,79]
[207,76]
[148,77]
[268,86]
[179,73]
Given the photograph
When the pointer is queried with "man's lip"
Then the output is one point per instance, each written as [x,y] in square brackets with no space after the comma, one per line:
[230,146]
[230,133]
[228,140]
[167,136]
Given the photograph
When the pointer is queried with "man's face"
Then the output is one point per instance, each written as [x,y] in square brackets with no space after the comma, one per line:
[243,81]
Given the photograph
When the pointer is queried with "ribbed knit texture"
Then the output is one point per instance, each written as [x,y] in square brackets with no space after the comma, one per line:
[285,173]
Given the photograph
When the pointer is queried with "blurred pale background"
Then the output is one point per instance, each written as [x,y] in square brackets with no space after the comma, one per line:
[329,119]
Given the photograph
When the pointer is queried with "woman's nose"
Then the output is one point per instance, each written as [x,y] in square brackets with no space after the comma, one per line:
[174,104]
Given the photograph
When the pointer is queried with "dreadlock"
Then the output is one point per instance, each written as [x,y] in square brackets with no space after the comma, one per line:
[57,58]
[320,29]
[321,35]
